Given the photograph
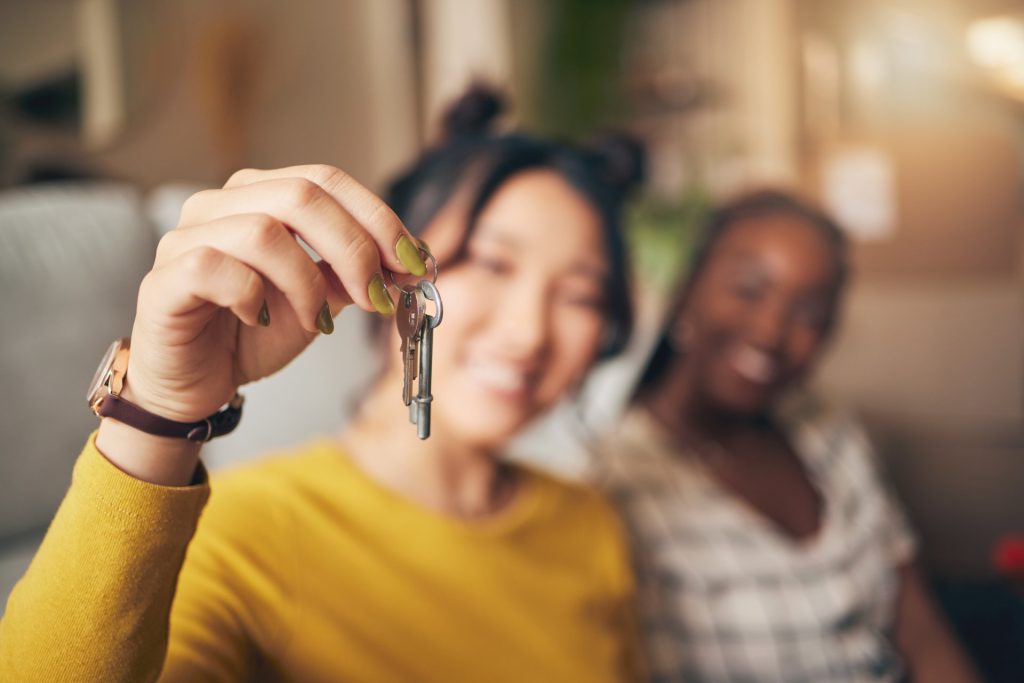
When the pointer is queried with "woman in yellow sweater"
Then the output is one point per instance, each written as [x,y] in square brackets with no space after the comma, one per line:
[372,556]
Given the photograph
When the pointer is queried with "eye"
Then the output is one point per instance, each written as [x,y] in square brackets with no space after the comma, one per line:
[811,313]
[587,300]
[492,265]
[748,289]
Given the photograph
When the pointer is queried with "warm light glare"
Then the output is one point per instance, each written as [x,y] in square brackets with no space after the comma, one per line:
[996,43]
[1014,77]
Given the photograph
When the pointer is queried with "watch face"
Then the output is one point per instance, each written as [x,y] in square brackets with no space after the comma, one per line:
[100,378]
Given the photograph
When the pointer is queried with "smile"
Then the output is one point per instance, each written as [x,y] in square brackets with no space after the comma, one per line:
[753,365]
[500,378]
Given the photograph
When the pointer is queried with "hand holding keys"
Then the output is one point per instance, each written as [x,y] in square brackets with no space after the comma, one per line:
[416,329]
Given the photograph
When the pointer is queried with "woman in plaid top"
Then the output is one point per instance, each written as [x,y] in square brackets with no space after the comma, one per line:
[767,546]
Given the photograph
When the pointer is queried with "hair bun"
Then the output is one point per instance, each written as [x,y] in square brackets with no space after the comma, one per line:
[622,160]
[474,112]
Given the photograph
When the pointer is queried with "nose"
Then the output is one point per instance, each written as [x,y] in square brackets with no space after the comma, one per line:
[768,326]
[523,319]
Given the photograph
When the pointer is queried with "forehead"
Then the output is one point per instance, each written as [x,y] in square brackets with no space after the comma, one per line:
[787,245]
[540,210]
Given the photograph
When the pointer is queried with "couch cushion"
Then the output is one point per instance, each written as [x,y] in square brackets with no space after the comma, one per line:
[71,258]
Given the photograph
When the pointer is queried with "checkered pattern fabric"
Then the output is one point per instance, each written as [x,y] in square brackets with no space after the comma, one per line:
[727,596]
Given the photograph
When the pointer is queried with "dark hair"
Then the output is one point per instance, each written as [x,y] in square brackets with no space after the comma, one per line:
[472,158]
[748,206]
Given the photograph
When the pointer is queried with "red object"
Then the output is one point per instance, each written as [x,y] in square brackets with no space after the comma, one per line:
[1009,556]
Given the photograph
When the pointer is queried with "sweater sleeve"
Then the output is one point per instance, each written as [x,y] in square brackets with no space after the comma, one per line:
[94,604]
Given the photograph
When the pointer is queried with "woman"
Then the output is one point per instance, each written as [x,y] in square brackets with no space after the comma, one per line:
[372,556]
[767,546]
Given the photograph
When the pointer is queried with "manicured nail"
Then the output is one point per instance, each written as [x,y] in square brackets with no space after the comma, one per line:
[379,297]
[264,317]
[409,255]
[324,321]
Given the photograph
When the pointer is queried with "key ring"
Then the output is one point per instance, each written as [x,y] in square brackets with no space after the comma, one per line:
[426,255]
[431,293]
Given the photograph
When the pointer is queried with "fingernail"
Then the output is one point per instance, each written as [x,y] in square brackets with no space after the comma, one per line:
[264,316]
[409,255]
[324,321]
[379,297]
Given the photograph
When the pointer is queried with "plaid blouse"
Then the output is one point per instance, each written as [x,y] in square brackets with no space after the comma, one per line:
[724,595]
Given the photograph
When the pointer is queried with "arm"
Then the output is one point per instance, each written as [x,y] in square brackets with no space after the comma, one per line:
[232,297]
[923,637]
[94,604]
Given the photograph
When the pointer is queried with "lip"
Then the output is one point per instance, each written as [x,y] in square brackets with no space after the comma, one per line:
[501,379]
[753,365]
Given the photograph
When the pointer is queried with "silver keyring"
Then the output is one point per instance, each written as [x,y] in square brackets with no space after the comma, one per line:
[430,291]
[433,261]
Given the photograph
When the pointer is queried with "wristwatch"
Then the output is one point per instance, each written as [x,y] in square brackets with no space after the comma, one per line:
[105,401]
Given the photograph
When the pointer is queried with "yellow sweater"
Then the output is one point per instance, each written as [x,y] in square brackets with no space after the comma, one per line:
[303,569]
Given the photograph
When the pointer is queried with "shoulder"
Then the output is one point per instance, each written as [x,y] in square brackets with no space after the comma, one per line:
[639,457]
[276,473]
[572,501]
[586,525]
[827,433]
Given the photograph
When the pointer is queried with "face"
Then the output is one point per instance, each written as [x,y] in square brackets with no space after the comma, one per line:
[759,314]
[523,311]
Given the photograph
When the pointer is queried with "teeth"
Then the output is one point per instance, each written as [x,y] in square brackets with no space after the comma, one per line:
[755,365]
[498,376]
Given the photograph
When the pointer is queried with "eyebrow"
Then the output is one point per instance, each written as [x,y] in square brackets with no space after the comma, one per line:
[749,255]
[744,253]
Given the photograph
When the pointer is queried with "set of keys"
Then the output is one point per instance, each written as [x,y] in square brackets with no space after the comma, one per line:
[416,328]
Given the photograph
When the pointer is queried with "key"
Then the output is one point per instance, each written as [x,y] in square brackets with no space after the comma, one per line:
[421,403]
[423,397]
[410,320]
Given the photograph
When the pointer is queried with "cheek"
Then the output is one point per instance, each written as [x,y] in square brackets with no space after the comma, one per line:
[465,311]
[576,340]
[711,326]
[802,348]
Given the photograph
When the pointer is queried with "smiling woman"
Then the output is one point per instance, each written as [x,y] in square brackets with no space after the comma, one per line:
[768,545]
[370,555]
[526,310]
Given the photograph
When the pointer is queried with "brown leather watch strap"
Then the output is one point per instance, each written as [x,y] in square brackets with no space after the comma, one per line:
[218,424]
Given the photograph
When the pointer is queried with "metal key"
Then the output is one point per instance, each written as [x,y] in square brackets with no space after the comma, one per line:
[410,320]
[420,408]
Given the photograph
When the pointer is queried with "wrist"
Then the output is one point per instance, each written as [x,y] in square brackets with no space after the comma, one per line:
[166,461]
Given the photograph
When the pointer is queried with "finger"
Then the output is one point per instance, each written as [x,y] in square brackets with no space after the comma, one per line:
[314,215]
[337,297]
[366,207]
[264,244]
[192,281]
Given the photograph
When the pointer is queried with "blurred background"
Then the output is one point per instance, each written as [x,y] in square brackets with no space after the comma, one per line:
[905,118]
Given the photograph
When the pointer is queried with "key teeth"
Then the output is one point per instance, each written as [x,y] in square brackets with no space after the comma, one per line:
[416,328]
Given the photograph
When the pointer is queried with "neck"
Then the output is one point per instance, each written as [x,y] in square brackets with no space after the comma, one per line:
[678,404]
[442,473]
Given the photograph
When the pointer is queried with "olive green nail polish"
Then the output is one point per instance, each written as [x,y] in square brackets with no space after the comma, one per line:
[379,297]
[409,254]
[264,316]
[324,321]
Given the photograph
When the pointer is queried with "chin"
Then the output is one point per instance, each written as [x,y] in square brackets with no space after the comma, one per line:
[479,422]
[745,401]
